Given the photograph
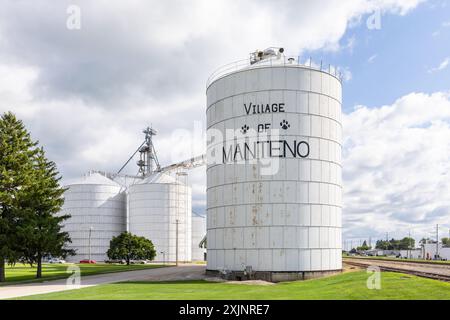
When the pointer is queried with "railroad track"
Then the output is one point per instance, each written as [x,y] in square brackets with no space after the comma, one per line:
[441,273]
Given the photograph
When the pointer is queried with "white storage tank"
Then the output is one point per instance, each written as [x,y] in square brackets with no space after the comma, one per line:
[97,207]
[286,224]
[156,204]
[198,233]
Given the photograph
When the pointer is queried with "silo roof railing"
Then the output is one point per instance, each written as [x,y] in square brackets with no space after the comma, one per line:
[246,64]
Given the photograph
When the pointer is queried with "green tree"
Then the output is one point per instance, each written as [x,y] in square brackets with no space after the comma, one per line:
[446,242]
[403,244]
[16,153]
[40,228]
[426,240]
[383,245]
[407,243]
[363,247]
[127,246]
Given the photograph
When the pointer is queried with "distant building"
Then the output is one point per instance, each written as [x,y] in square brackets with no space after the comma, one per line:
[375,252]
[411,254]
[198,233]
[429,251]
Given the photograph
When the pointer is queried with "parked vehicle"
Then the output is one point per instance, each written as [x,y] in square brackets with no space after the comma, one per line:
[56,260]
[116,261]
[139,261]
[87,261]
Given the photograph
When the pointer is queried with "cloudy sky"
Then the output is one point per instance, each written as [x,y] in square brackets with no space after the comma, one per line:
[87,93]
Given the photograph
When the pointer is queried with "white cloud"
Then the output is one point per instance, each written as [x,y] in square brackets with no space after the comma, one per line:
[164,47]
[351,43]
[87,94]
[396,162]
[443,65]
[445,24]
[372,58]
[346,74]
[15,82]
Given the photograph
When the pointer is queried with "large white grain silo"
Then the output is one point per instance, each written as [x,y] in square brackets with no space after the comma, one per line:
[97,207]
[160,210]
[274,188]
[198,233]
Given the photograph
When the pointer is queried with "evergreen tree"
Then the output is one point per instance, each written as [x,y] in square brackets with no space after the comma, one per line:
[16,153]
[364,247]
[40,228]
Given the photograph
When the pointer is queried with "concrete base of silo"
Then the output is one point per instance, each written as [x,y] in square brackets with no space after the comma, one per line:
[272,276]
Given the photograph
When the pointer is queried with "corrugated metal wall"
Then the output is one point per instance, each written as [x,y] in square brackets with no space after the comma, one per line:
[154,209]
[99,205]
[198,233]
[289,221]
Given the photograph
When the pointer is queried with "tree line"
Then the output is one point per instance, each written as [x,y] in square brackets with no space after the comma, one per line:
[406,243]
[445,241]
[30,198]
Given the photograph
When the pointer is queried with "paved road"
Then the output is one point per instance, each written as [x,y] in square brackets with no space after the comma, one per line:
[183,272]
[438,269]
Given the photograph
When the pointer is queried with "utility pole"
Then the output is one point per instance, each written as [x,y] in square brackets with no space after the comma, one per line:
[176,244]
[409,245]
[164,257]
[178,201]
[437,241]
[386,243]
[90,233]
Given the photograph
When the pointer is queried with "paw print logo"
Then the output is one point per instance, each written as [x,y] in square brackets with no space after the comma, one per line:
[285,125]
[244,129]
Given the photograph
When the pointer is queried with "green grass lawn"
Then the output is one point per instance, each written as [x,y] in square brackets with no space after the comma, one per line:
[348,286]
[397,259]
[21,273]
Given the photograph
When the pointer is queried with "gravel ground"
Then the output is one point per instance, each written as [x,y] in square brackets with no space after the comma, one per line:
[404,265]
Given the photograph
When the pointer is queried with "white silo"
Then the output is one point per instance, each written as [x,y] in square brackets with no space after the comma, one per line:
[97,208]
[198,233]
[274,189]
[160,210]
